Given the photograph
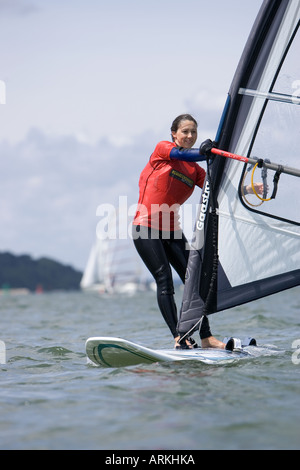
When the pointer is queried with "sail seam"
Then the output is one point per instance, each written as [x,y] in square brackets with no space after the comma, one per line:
[227,215]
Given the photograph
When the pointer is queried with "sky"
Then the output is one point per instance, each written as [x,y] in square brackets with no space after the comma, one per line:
[90,87]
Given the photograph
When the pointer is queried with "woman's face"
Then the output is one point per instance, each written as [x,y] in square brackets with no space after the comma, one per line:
[186,134]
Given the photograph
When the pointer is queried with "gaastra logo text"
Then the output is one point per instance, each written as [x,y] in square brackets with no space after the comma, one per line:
[203,207]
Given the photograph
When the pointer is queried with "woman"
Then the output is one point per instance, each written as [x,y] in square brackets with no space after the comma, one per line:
[166,182]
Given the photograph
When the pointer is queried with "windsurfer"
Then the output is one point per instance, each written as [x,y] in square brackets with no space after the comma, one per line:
[166,182]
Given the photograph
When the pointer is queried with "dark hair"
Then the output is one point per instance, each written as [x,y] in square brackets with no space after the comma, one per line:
[179,119]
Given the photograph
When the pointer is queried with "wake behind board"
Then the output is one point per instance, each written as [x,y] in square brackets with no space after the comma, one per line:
[117,352]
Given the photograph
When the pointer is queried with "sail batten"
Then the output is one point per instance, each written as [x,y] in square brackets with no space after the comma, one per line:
[284,98]
[258,243]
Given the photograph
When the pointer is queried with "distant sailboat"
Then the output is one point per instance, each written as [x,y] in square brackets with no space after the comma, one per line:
[242,249]
[113,266]
[96,274]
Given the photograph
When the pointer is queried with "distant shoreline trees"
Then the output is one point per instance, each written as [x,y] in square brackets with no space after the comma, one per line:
[44,274]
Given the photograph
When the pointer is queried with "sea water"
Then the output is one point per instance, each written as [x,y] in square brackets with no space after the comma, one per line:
[52,398]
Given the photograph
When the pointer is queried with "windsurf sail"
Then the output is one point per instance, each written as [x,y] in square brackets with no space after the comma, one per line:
[243,247]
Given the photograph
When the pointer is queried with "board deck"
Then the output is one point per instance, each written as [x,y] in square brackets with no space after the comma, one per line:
[117,352]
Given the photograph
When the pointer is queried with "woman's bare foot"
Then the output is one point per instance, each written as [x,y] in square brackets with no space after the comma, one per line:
[212,342]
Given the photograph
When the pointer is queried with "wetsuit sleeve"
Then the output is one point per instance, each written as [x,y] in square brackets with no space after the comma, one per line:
[161,152]
[186,155]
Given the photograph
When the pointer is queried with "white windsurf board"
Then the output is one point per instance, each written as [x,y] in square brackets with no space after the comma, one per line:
[117,352]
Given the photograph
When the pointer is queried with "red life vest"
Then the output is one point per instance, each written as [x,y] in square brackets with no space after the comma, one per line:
[165,184]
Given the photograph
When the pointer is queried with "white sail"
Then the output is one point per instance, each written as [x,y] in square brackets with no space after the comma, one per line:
[96,275]
[113,265]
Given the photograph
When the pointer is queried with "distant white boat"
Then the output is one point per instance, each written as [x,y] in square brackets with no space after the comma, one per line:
[114,267]
[96,274]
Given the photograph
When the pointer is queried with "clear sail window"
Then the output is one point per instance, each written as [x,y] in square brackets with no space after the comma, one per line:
[278,139]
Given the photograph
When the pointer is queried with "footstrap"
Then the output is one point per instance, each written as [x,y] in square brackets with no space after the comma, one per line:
[232,343]
[236,343]
[249,341]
